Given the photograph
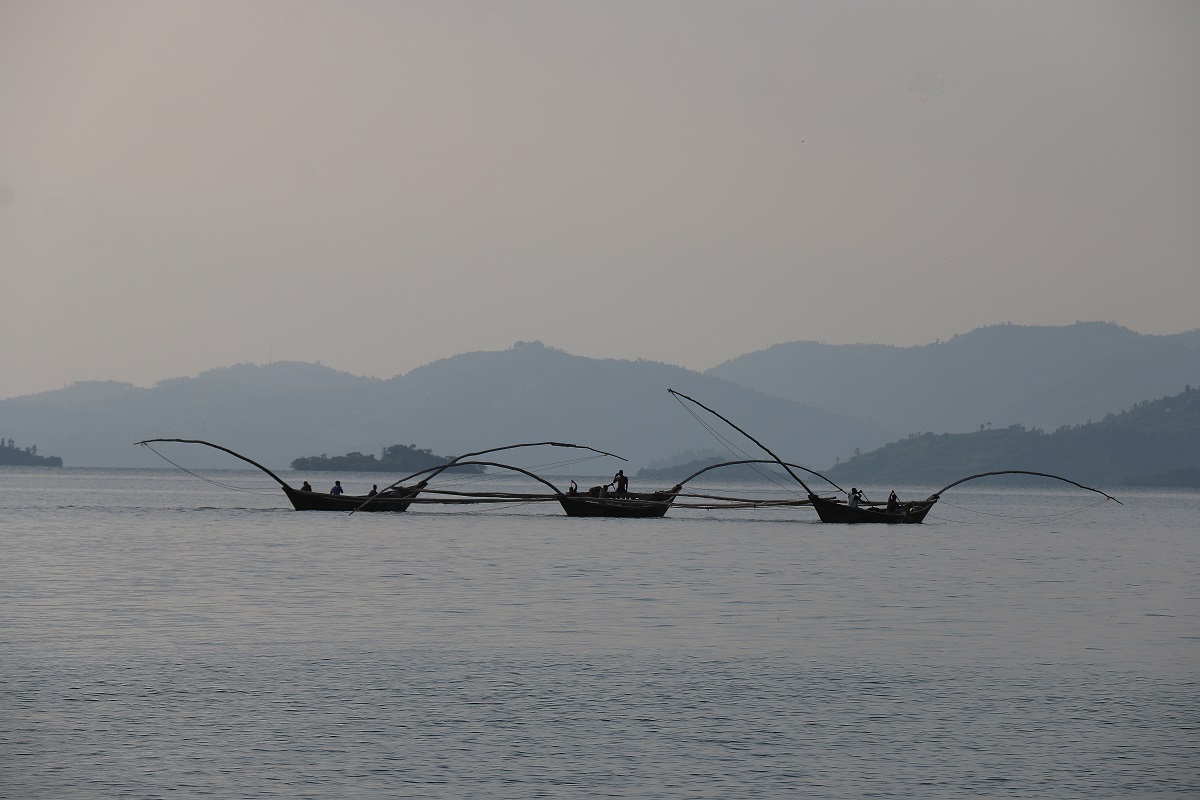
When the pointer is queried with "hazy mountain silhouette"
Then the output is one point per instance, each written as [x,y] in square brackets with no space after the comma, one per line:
[1154,443]
[812,403]
[283,411]
[1003,375]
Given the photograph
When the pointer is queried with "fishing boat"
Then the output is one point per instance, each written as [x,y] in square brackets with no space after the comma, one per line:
[910,512]
[393,498]
[596,503]
[398,499]
[397,496]
[832,510]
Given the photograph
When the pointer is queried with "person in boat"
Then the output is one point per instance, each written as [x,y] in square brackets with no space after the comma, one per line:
[304,487]
[337,488]
[893,503]
[374,490]
[573,488]
[620,482]
[855,497]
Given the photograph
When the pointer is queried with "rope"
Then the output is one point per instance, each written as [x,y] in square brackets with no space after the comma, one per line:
[244,489]
[474,512]
[736,451]
[1038,518]
[486,477]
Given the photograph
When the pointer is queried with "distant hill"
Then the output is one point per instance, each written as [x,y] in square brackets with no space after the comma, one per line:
[1000,375]
[1154,443]
[859,397]
[95,423]
[680,471]
[279,412]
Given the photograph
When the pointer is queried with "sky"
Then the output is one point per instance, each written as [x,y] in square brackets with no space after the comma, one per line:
[378,185]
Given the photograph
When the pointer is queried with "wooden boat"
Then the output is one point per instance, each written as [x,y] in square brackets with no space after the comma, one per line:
[593,503]
[394,498]
[398,497]
[641,505]
[910,512]
[914,512]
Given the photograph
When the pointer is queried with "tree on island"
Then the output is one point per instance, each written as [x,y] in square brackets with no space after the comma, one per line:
[395,459]
[12,456]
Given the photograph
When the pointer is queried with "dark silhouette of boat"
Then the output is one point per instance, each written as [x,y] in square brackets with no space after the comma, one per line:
[910,512]
[595,503]
[914,512]
[394,498]
[398,497]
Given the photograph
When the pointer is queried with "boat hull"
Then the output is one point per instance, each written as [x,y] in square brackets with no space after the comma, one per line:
[319,501]
[832,511]
[642,506]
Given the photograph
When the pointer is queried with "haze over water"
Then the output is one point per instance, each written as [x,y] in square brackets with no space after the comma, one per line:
[162,636]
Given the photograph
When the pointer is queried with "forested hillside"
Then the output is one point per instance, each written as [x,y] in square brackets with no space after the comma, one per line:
[1155,442]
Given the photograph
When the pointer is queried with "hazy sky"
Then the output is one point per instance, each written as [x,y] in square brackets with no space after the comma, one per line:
[375,185]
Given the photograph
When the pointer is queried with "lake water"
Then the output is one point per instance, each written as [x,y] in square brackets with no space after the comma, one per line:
[165,637]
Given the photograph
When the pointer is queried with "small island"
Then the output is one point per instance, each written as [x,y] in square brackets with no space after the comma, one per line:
[12,456]
[398,458]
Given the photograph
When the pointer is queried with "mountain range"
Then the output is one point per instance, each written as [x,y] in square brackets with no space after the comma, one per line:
[1002,375]
[814,403]
[279,412]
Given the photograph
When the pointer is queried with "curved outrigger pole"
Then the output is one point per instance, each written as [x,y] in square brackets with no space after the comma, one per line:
[936,495]
[700,472]
[778,460]
[534,475]
[457,461]
[280,481]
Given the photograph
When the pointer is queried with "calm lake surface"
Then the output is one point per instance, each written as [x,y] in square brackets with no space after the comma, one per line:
[165,637]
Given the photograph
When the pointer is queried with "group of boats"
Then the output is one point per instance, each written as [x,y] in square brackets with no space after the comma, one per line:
[599,501]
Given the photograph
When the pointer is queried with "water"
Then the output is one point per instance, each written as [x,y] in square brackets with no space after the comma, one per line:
[165,637]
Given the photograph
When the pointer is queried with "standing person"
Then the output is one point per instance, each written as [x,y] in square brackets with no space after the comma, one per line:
[337,488]
[621,482]
[893,504]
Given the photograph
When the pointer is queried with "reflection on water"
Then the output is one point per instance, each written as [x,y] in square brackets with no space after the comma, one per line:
[162,635]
